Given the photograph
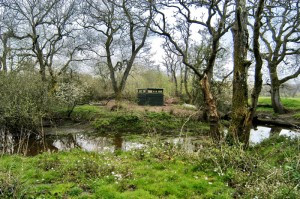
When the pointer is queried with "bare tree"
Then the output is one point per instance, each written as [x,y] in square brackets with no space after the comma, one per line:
[9,37]
[51,32]
[281,38]
[216,22]
[123,28]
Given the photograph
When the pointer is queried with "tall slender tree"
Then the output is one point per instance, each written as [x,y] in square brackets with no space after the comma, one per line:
[240,112]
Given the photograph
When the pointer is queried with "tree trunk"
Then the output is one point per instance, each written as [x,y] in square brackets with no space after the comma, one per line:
[4,54]
[258,67]
[186,85]
[181,81]
[276,102]
[275,94]
[175,83]
[212,112]
[240,113]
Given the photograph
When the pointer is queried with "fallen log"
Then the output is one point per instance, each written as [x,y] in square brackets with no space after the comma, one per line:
[265,120]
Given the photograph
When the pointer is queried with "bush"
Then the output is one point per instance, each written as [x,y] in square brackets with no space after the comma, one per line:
[71,93]
[23,100]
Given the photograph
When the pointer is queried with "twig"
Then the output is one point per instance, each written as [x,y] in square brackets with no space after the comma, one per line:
[188,119]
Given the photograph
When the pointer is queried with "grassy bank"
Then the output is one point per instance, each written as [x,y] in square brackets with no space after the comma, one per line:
[292,104]
[270,170]
[103,119]
[265,104]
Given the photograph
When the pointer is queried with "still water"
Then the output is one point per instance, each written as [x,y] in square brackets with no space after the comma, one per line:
[67,138]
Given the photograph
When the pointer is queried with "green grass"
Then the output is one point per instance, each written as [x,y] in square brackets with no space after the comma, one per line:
[104,120]
[290,103]
[265,105]
[78,174]
[86,112]
[297,116]
[269,170]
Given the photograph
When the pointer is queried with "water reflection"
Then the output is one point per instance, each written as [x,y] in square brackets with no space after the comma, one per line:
[92,142]
[31,145]
[289,133]
[26,144]
[261,133]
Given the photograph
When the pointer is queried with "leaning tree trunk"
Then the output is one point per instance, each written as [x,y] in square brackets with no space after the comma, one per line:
[213,116]
[240,113]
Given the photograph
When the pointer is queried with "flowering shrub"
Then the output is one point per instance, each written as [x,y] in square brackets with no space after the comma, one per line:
[70,94]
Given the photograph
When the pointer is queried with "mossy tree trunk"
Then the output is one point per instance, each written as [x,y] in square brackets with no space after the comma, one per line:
[240,112]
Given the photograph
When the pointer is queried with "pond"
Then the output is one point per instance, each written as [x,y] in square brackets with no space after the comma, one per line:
[67,138]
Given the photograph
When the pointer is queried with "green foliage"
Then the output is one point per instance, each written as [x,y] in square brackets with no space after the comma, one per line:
[264,171]
[101,123]
[22,102]
[25,100]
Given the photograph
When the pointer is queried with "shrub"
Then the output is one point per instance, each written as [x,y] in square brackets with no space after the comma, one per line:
[23,100]
[71,93]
